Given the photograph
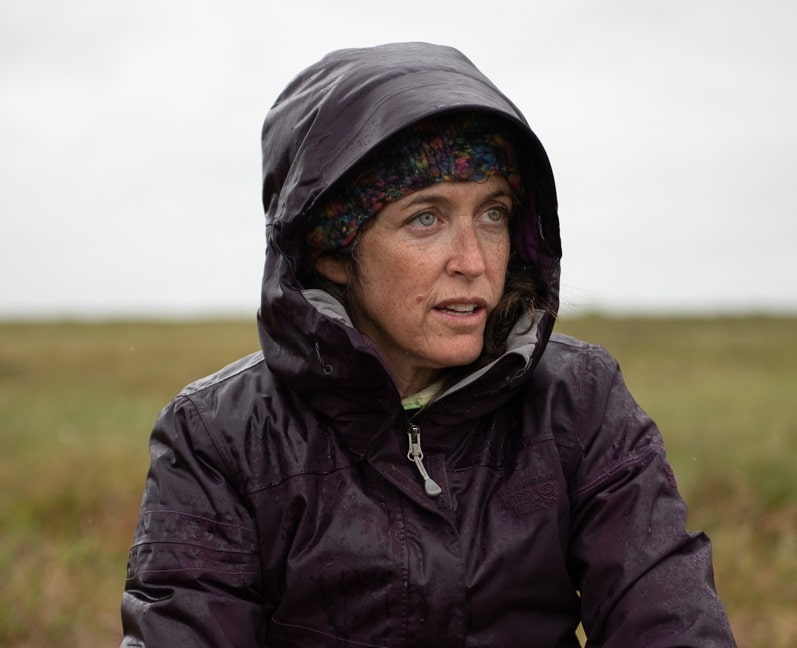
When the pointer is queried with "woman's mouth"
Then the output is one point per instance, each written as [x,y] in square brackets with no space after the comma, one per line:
[461,309]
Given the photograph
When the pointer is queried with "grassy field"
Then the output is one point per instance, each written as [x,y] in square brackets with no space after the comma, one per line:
[77,402]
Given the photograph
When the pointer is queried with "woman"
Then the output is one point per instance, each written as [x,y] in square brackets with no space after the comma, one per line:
[413,459]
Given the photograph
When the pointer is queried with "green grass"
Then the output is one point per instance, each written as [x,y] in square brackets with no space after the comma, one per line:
[77,402]
[76,406]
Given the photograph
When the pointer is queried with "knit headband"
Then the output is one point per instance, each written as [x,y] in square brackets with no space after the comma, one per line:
[463,146]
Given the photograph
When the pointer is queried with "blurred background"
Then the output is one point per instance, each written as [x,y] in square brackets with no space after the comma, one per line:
[130,133]
[131,243]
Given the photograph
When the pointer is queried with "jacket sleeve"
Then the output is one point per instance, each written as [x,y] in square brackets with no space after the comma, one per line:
[644,580]
[193,576]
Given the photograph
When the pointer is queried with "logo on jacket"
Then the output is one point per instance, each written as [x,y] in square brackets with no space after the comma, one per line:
[530,495]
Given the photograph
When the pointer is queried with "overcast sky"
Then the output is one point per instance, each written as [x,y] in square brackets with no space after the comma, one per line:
[129,143]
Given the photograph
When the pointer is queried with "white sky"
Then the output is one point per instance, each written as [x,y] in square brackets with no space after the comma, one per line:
[129,143]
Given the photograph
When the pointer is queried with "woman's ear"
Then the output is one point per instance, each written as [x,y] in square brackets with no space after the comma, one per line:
[333,268]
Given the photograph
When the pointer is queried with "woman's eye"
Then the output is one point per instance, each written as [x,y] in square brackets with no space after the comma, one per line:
[496,214]
[427,219]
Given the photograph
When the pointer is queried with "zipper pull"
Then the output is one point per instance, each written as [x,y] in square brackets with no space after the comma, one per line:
[415,454]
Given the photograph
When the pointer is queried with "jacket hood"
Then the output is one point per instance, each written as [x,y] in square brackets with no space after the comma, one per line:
[328,118]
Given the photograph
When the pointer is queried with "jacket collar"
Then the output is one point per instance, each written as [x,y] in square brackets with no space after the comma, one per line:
[359,399]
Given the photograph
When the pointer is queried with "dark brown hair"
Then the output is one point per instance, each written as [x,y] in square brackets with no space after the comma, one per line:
[524,291]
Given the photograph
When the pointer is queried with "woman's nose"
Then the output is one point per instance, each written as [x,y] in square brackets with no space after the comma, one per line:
[466,254]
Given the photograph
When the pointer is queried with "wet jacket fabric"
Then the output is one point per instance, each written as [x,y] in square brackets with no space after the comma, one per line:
[281,508]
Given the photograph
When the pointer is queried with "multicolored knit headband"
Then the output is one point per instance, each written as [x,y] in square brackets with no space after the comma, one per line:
[458,147]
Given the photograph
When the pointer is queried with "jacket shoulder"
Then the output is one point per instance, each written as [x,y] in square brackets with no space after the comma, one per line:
[568,345]
[590,410]
[235,371]
[567,359]
[579,389]
[258,427]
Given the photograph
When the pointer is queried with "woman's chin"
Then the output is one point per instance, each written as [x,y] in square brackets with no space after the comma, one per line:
[458,355]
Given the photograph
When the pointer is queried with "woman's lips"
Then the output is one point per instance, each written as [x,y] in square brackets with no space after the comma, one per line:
[459,309]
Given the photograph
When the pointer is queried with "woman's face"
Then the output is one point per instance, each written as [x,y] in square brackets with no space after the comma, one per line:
[429,269]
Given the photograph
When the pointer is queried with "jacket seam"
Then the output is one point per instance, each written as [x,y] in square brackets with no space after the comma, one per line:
[303,473]
[202,517]
[227,462]
[637,458]
[405,573]
[191,569]
[588,358]
[352,642]
[146,543]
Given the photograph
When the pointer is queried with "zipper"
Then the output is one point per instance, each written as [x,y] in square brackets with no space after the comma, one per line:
[415,455]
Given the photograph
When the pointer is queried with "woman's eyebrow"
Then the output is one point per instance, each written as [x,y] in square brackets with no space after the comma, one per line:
[431,196]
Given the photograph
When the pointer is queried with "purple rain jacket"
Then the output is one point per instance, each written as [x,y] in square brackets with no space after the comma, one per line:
[281,508]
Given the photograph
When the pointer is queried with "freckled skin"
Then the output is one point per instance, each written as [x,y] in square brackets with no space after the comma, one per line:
[431,267]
